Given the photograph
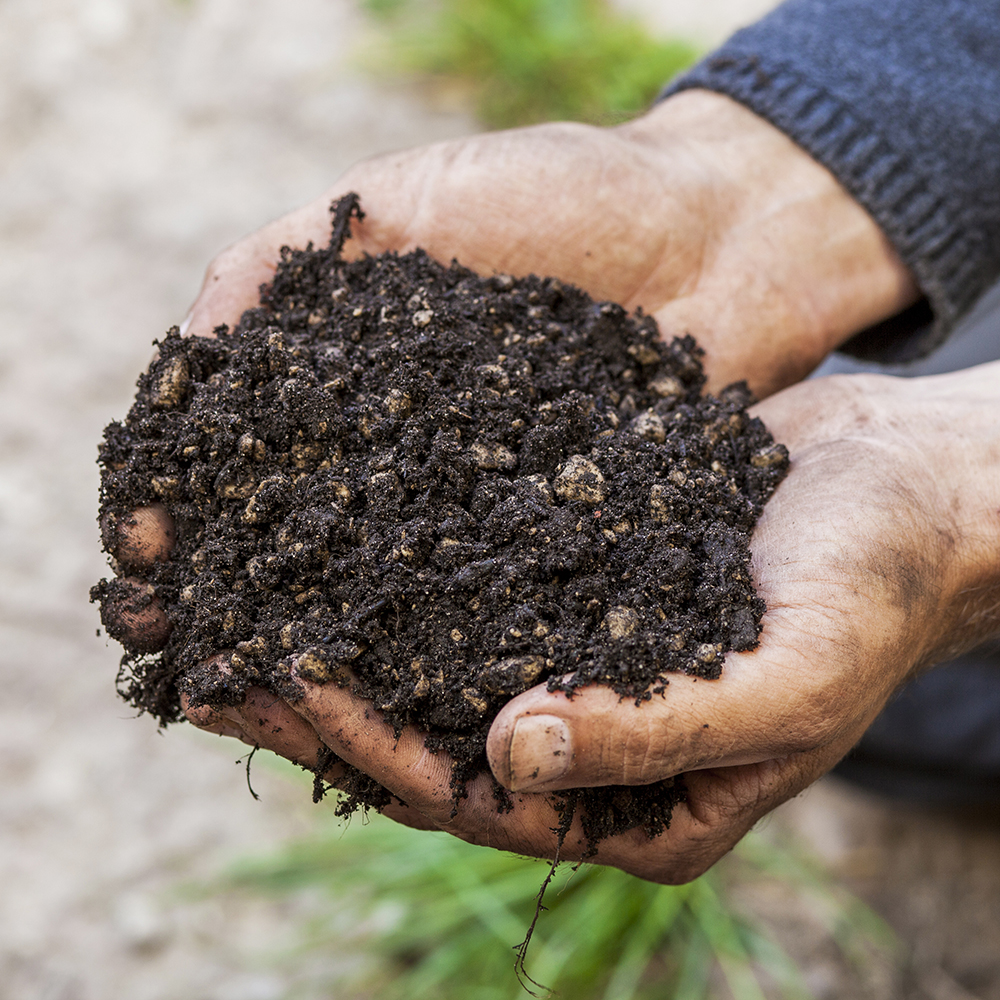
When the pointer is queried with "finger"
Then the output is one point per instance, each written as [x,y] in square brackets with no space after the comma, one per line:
[131,614]
[722,802]
[263,720]
[543,741]
[233,732]
[408,816]
[354,730]
[268,721]
[137,540]
[210,720]
[722,805]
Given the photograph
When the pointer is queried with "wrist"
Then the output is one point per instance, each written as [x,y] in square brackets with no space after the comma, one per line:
[956,417]
[919,535]
[777,208]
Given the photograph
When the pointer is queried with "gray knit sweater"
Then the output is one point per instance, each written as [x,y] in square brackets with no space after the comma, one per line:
[900,99]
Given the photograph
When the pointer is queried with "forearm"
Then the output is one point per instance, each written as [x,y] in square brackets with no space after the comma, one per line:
[901,101]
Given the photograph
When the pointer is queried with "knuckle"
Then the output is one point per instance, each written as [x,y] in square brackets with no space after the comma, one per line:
[648,748]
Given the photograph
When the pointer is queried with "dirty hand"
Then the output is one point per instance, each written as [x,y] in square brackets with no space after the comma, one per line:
[699,211]
[715,222]
[877,556]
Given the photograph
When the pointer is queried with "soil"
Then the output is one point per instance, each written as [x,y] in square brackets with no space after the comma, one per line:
[439,489]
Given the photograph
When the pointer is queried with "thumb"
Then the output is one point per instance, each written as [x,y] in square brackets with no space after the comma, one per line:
[233,279]
[766,705]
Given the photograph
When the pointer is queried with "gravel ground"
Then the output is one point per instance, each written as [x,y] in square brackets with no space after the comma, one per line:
[137,139]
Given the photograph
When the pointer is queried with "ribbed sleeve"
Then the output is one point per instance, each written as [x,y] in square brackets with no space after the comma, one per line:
[900,99]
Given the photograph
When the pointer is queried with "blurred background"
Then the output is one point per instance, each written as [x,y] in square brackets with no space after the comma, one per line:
[138,138]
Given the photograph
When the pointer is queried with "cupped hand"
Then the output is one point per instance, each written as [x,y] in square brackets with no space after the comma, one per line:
[714,222]
[700,212]
[876,557]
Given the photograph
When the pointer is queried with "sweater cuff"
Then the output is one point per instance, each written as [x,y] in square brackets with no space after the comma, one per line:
[918,221]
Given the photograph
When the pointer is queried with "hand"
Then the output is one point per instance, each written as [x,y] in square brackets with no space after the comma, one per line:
[878,556]
[700,212]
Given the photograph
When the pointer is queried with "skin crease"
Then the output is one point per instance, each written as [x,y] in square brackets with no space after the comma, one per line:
[876,556]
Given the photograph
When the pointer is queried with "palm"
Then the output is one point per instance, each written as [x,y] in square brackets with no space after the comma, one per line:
[563,200]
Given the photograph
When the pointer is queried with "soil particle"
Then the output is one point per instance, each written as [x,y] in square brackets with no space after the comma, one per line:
[439,489]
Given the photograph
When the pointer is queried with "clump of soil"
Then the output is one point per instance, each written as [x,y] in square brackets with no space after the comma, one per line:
[440,489]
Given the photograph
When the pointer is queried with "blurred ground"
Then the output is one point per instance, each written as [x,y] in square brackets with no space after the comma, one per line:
[137,139]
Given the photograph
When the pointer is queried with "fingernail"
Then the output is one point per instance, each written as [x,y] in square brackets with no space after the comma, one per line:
[186,323]
[540,751]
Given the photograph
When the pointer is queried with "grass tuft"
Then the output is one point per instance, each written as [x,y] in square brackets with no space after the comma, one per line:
[527,61]
[438,917]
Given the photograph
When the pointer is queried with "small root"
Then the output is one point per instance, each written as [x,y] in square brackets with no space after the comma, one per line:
[567,810]
[249,757]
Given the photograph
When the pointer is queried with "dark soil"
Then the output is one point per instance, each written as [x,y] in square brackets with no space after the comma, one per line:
[441,489]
